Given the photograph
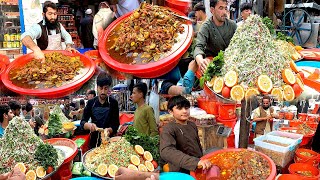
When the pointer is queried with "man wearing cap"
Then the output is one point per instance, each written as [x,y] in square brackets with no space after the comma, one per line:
[200,13]
[86,29]
[101,21]
[48,33]
[245,9]
[121,7]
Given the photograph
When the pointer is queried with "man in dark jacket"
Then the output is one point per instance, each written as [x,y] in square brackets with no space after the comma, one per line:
[86,30]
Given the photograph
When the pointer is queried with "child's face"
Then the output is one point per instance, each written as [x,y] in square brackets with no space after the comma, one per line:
[181,114]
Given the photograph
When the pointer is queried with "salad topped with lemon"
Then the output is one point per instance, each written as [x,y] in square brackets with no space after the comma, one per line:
[254,63]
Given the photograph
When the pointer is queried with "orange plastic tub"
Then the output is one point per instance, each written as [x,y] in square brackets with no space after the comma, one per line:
[180,5]
[306,138]
[227,111]
[303,116]
[289,115]
[229,123]
[293,168]
[295,123]
[2,67]
[312,125]
[4,59]
[300,158]
[273,171]
[230,140]
[288,177]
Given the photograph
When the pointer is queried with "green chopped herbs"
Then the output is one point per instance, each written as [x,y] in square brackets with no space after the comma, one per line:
[46,155]
[54,125]
[269,23]
[148,143]
[253,52]
[18,144]
[213,69]
[281,36]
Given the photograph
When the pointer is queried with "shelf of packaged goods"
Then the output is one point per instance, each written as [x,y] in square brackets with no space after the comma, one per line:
[7,49]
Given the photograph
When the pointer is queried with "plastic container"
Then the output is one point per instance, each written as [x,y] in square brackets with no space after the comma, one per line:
[228,122]
[306,138]
[288,177]
[175,175]
[152,69]
[50,93]
[180,5]
[65,174]
[293,168]
[124,118]
[213,107]
[312,118]
[279,154]
[312,125]
[273,171]
[295,123]
[303,116]
[2,67]
[289,115]
[230,140]
[227,111]
[281,115]
[4,59]
[300,158]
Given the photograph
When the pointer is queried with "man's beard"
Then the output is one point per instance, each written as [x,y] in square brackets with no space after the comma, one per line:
[50,25]
[265,107]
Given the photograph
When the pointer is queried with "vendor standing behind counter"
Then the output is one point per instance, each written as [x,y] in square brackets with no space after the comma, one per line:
[48,33]
[103,110]
[214,35]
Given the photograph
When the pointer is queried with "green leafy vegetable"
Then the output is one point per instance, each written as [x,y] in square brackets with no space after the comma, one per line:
[149,143]
[54,125]
[213,69]
[46,155]
[283,37]
[269,23]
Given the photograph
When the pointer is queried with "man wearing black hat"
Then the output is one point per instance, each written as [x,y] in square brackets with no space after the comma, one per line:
[200,14]
[245,9]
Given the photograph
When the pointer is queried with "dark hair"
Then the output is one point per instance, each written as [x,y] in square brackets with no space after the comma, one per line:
[199,7]
[66,97]
[82,102]
[265,97]
[23,107]
[245,6]
[104,79]
[4,109]
[142,87]
[92,92]
[14,105]
[29,107]
[179,101]
[213,3]
[49,4]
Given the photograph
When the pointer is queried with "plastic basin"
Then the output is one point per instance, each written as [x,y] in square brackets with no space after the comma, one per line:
[175,175]
[306,138]
[209,105]
[2,67]
[300,158]
[273,171]
[152,69]
[50,93]
[303,116]
[293,168]
[180,5]
[227,111]
[288,177]
[65,142]
[229,122]
[4,59]
[289,115]
[295,123]
[312,125]
[312,118]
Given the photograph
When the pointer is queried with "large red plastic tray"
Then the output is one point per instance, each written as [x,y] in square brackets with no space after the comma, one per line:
[273,170]
[2,67]
[50,93]
[153,69]
[311,57]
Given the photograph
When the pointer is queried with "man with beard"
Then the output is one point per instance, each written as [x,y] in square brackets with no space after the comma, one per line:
[5,116]
[48,34]
[214,35]
[103,110]
[86,29]
[263,116]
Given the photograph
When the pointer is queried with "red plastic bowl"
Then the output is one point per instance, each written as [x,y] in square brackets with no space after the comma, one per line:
[64,142]
[273,172]
[293,168]
[180,5]
[64,90]
[4,59]
[153,69]
[2,67]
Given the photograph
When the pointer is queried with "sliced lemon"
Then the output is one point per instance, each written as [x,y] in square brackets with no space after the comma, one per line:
[31,175]
[218,85]
[288,76]
[112,170]
[139,149]
[277,92]
[251,92]
[264,83]
[41,172]
[102,169]
[22,167]
[147,156]
[135,160]
[237,93]
[288,93]
[231,78]
[132,167]
[142,168]
[149,166]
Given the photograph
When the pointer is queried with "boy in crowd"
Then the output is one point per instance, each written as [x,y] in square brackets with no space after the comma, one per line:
[144,120]
[5,116]
[179,141]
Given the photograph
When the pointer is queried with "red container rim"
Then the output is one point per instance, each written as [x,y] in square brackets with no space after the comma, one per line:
[2,67]
[226,120]
[50,92]
[145,70]
[272,165]
[288,176]
[5,59]
[55,141]
[297,166]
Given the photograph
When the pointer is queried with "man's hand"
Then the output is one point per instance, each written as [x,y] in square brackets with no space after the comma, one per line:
[125,173]
[91,126]
[193,66]
[32,123]
[202,63]
[72,50]
[204,164]
[39,55]
[17,175]
[5,176]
